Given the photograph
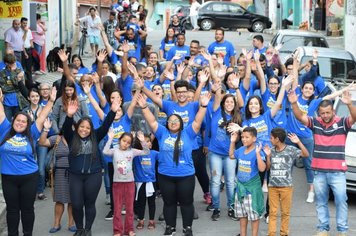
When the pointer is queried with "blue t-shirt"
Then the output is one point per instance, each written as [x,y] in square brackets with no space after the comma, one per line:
[135,47]
[182,51]
[16,154]
[165,47]
[3,65]
[187,112]
[268,101]
[126,88]
[247,164]
[145,167]
[92,112]
[119,127]
[82,71]
[294,125]
[166,140]
[225,49]
[261,51]
[219,137]
[264,125]
[133,26]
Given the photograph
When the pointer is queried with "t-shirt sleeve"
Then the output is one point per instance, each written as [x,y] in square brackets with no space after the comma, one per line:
[190,132]
[166,105]
[35,132]
[52,140]
[310,124]
[295,152]
[232,51]
[160,131]
[162,45]
[313,106]
[4,128]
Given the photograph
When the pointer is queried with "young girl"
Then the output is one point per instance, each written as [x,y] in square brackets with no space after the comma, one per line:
[124,186]
[35,109]
[145,179]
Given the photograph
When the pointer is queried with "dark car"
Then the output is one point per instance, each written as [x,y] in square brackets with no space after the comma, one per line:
[230,15]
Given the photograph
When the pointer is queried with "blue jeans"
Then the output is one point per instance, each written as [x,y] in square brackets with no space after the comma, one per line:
[218,163]
[38,48]
[337,182]
[41,161]
[309,145]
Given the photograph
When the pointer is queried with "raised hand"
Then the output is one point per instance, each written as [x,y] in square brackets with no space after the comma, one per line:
[47,123]
[180,68]
[233,128]
[86,88]
[287,82]
[204,99]
[222,71]
[293,138]
[292,97]
[234,137]
[169,76]
[111,133]
[204,77]
[125,46]
[206,55]
[72,108]
[95,77]
[235,80]
[140,136]
[20,76]
[249,55]
[258,147]
[220,60]
[346,98]
[53,95]
[215,87]
[177,57]
[102,55]
[115,106]
[257,55]
[141,101]
[1,96]
[132,68]
[62,55]
[267,150]
[139,82]
[315,53]
[244,52]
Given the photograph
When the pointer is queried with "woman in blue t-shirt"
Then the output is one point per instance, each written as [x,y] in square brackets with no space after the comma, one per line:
[82,70]
[167,43]
[175,163]
[19,170]
[225,110]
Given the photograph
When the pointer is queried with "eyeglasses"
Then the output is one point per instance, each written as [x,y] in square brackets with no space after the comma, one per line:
[173,122]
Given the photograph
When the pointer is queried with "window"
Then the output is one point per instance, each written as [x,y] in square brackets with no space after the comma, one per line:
[236,9]
[219,7]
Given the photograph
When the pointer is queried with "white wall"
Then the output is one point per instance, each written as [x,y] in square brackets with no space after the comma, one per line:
[350,26]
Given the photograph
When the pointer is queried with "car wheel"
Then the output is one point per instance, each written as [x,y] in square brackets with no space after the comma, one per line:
[249,29]
[206,24]
[258,27]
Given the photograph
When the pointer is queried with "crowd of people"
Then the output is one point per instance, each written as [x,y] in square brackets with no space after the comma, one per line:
[153,119]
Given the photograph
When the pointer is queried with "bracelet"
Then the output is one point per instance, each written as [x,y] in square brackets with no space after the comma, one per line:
[144,107]
[204,106]
[45,130]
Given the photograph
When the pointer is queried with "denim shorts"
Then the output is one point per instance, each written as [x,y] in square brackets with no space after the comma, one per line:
[94,39]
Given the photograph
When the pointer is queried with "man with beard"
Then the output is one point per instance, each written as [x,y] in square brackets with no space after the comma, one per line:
[223,48]
[180,50]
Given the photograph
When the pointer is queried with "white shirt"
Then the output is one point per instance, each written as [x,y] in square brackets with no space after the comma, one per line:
[93,25]
[27,41]
[194,8]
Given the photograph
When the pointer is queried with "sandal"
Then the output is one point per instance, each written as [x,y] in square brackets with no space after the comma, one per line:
[151,225]
[140,225]
[132,233]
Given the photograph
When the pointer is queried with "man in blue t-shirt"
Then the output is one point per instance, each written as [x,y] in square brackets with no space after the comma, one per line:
[223,48]
[180,50]
[257,43]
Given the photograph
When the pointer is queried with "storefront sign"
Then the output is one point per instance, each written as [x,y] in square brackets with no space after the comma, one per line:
[10,9]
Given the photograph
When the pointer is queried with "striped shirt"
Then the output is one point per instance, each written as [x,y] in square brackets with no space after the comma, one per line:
[329,143]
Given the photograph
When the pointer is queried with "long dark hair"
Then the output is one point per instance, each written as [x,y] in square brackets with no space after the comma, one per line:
[176,151]
[26,132]
[108,86]
[77,56]
[166,39]
[275,77]
[77,140]
[235,113]
[248,114]
[65,99]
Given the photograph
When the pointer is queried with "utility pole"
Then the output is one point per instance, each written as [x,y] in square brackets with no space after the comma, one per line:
[99,7]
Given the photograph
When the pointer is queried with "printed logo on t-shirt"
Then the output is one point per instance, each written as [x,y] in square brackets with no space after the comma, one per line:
[16,144]
[221,51]
[170,141]
[303,108]
[168,46]
[260,126]
[184,115]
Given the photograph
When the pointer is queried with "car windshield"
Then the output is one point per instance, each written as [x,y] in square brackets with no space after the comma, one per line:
[332,67]
[290,43]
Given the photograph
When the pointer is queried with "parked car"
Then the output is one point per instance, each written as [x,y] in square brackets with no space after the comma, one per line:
[334,64]
[350,151]
[291,39]
[230,15]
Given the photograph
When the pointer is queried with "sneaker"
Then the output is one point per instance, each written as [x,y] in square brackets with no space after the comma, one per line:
[310,198]
[210,207]
[216,215]
[87,232]
[110,215]
[170,230]
[107,199]
[41,196]
[79,232]
[207,198]
[161,217]
[187,231]
[222,185]
[231,214]
[267,219]
[322,233]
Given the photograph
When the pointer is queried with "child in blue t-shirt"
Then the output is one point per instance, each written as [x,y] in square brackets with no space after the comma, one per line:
[249,202]
[145,179]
